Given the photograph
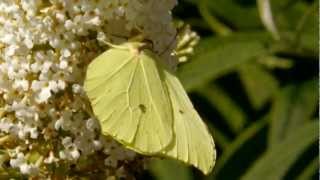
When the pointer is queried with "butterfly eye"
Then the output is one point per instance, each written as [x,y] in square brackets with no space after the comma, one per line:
[143,108]
[180,111]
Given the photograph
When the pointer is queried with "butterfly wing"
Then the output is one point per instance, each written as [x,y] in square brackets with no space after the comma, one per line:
[192,143]
[128,98]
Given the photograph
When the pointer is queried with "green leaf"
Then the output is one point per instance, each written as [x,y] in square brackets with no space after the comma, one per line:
[288,16]
[310,170]
[218,61]
[259,84]
[274,62]
[213,22]
[299,26]
[207,44]
[293,107]
[305,49]
[235,14]
[169,170]
[308,23]
[229,110]
[309,43]
[277,160]
[235,158]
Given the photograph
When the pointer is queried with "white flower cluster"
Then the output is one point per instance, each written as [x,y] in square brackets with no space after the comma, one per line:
[187,40]
[45,47]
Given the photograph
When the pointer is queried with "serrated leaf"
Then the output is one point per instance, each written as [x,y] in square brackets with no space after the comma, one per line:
[218,61]
[277,160]
[259,84]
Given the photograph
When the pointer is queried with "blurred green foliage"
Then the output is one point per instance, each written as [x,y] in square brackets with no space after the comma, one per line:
[254,79]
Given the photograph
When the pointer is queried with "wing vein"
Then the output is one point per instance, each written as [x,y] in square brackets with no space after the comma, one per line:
[150,95]
[128,97]
[112,73]
[130,82]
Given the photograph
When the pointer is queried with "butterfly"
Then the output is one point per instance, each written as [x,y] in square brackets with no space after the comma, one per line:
[142,104]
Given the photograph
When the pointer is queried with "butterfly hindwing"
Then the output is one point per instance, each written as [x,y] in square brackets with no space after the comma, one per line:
[192,143]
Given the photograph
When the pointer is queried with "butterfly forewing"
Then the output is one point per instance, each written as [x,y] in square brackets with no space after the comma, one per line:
[128,98]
